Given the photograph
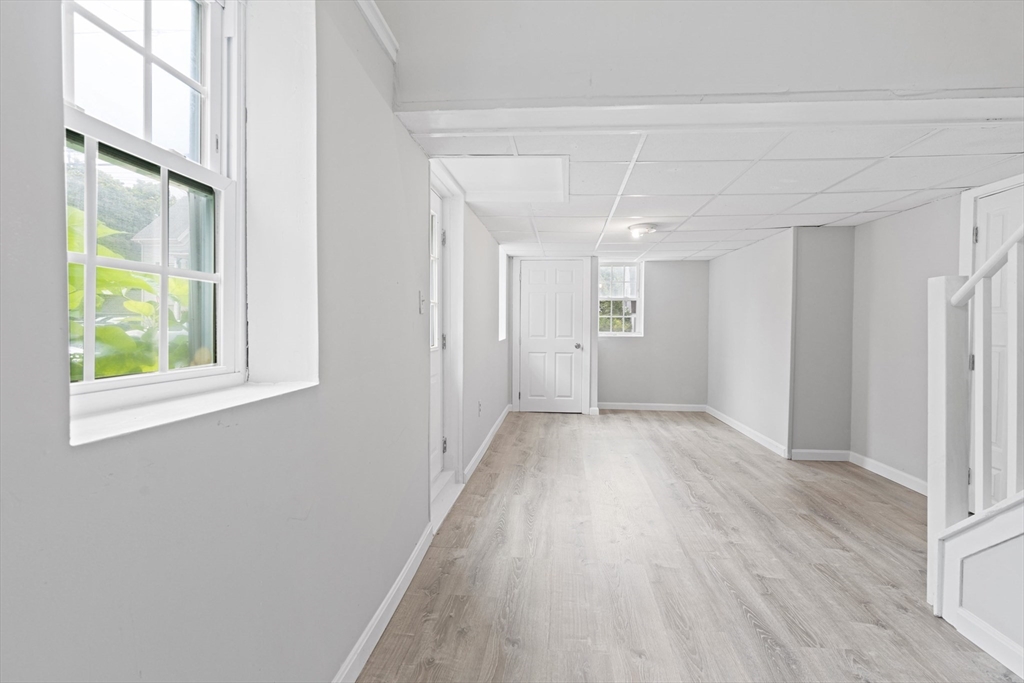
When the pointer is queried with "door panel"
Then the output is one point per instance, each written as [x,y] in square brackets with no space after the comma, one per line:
[551,355]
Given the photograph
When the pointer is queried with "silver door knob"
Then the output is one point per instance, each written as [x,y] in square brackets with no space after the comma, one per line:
[579,346]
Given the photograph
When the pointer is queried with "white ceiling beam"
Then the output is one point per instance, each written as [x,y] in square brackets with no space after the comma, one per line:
[380,27]
[745,116]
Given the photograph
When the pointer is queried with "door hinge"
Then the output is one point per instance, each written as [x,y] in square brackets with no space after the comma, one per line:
[520,395]
[444,237]
[976,231]
[968,476]
[970,364]
[444,444]
[444,341]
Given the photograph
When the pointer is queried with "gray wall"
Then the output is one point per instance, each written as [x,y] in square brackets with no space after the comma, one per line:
[893,259]
[669,364]
[823,338]
[750,335]
[250,544]
[486,374]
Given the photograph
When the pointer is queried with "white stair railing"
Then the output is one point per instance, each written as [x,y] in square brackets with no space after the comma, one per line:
[959,410]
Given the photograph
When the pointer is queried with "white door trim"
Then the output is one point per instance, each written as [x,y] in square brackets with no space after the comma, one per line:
[453,205]
[968,216]
[587,323]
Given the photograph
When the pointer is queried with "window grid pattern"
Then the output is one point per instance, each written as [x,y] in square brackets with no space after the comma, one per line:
[137,312]
[618,299]
[169,72]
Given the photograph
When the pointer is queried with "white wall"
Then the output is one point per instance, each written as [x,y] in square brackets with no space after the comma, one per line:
[669,364]
[250,544]
[750,326]
[823,338]
[893,259]
[486,360]
[487,54]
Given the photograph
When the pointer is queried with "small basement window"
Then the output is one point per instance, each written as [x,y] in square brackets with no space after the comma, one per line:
[620,300]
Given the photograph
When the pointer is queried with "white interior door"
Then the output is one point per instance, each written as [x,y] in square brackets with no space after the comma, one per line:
[551,336]
[998,215]
[436,430]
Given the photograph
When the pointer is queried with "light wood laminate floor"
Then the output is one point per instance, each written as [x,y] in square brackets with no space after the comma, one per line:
[667,546]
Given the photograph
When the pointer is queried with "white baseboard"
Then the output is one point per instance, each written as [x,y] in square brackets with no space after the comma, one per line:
[674,407]
[356,659]
[443,502]
[471,467]
[773,446]
[890,473]
[595,411]
[812,454]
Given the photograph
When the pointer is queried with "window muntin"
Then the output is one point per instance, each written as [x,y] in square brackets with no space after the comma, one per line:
[619,307]
[154,292]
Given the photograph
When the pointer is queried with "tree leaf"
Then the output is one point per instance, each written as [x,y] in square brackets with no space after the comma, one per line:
[112,340]
[75,299]
[140,307]
[76,229]
[102,250]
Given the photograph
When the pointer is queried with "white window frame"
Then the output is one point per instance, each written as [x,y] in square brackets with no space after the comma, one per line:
[638,326]
[222,152]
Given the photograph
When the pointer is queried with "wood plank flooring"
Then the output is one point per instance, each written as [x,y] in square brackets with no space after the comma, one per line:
[667,546]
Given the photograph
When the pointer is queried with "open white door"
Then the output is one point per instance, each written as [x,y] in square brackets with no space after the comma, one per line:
[436,429]
[997,215]
[552,335]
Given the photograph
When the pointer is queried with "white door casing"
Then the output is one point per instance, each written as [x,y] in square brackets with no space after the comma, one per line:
[435,324]
[996,217]
[552,335]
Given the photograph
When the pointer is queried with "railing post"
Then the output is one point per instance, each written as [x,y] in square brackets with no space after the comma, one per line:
[1015,370]
[981,429]
[948,422]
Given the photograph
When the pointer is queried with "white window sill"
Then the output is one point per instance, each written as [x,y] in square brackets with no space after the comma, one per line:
[620,334]
[104,425]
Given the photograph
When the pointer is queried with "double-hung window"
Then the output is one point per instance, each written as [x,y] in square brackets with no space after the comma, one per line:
[620,304]
[152,153]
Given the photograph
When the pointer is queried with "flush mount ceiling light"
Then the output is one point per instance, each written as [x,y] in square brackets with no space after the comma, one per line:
[642,229]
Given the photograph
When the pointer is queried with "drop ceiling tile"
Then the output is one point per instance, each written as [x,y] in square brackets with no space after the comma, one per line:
[683,178]
[861,218]
[918,199]
[590,147]
[913,173]
[663,205]
[482,209]
[750,204]
[591,224]
[707,255]
[514,237]
[845,202]
[701,235]
[623,236]
[465,144]
[990,174]
[507,223]
[774,177]
[596,177]
[623,248]
[575,249]
[732,245]
[854,142]
[707,145]
[994,139]
[722,222]
[669,255]
[758,234]
[801,219]
[568,237]
[579,205]
[683,246]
